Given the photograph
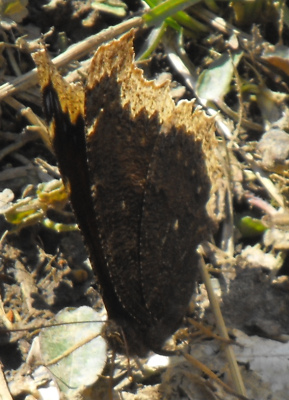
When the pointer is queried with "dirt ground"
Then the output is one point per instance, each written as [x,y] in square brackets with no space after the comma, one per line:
[238,71]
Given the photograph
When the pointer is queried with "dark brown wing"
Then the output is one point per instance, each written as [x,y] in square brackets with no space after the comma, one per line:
[121,134]
[174,219]
[150,188]
[140,178]
[64,111]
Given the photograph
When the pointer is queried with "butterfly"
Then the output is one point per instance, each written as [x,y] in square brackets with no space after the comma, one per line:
[140,173]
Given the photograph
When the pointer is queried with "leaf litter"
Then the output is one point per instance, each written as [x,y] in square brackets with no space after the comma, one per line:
[43,271]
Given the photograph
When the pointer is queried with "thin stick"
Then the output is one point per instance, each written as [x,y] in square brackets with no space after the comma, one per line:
[234,369]
[212,375]
[74,52]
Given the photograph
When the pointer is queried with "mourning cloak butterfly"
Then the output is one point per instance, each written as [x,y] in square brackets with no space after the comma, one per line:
[139,170]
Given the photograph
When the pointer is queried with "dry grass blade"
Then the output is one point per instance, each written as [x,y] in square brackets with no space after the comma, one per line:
[234,369]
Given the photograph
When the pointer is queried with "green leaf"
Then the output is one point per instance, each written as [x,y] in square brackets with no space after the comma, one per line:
[250,227]
[165,9]
[214,82]
[74,352]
